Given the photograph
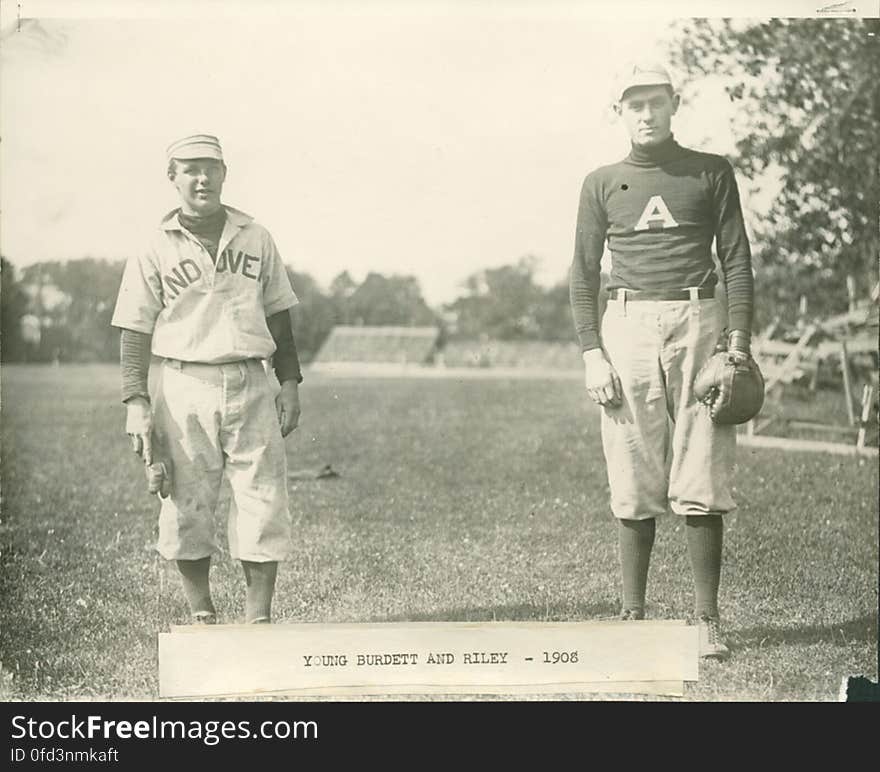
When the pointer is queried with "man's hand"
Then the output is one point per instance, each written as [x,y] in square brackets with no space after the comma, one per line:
[139,427]
[601,380]
[287,405]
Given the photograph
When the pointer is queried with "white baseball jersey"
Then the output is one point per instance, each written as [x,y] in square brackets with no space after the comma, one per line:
[201,311]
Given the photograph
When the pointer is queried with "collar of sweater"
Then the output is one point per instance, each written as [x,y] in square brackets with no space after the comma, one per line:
[203,225]
[654,155]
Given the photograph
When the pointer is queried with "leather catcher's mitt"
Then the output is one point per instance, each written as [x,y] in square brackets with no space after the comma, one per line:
[159,478]
[732,385]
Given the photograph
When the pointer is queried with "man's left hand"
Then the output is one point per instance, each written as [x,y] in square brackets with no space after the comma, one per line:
[287,406]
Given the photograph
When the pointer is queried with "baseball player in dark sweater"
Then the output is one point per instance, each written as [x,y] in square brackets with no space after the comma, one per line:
[659,211]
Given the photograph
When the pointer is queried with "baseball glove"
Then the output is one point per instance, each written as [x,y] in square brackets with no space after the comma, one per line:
[159,468]
[159,478]
[732,385]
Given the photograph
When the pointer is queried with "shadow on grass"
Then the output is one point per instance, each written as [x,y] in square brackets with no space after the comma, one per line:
[860,630]
[521,612]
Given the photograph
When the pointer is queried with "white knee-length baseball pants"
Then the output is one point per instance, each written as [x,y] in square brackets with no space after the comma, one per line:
[215,421]
[661,448]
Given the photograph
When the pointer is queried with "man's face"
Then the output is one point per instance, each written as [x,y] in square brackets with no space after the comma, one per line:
[647,113]
[199,182]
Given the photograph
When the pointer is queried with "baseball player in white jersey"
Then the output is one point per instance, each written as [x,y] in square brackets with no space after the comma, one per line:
[209,299]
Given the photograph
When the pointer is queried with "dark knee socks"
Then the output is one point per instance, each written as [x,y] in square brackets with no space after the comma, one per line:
[260,578]
[705,535]
[635,541]
[194,574]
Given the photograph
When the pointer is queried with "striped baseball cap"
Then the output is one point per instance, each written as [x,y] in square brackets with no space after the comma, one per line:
[195,146]
[643,74]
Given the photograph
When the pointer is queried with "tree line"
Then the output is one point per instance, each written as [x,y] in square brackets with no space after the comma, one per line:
[61,311]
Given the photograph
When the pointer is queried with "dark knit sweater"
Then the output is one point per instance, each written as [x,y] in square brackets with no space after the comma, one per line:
[660,209]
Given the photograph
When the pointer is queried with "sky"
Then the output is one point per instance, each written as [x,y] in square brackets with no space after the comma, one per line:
[429,139]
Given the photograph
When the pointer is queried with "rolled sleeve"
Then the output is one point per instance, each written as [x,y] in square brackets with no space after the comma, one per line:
[139,301]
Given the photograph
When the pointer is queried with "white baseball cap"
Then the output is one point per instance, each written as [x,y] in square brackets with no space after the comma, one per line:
[643,74]
[195,146]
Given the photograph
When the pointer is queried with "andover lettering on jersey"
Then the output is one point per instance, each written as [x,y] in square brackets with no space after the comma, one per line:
[187,271]
[181,276]
[235,261]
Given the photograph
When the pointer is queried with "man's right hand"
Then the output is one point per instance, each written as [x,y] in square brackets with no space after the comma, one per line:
[601,380]
[139,427]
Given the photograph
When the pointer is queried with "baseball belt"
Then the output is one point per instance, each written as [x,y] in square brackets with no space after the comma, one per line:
[631,295]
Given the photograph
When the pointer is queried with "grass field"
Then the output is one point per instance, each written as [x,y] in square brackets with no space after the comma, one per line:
[457,501]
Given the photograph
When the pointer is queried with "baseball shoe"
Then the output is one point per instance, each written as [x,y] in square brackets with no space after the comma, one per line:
[711,645]
[631,614]
[204,618]
[261,621]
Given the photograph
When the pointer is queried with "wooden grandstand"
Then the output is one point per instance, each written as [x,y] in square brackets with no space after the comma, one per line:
[537,355]
[379,345]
